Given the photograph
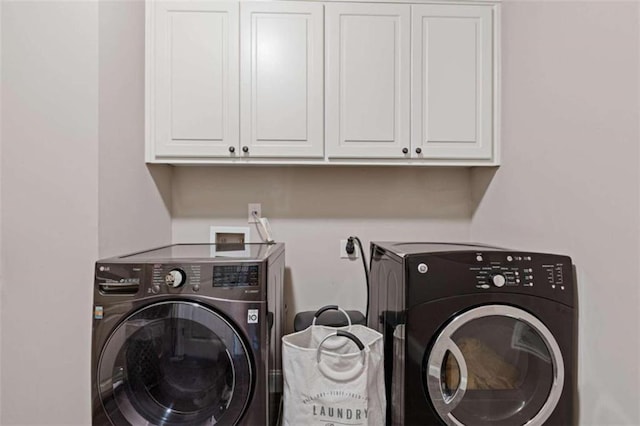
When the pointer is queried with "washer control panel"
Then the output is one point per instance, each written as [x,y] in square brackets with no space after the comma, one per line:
[228,280]
[217,275]
[215,279]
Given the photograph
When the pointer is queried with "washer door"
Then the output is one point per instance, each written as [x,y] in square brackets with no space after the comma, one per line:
[176,363]
[494,365]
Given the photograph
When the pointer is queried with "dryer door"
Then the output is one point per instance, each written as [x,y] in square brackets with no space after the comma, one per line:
[176,363]
[494,365]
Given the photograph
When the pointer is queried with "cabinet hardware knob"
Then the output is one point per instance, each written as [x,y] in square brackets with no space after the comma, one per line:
[245,149]
[405,150]
[418,150]
[232,149]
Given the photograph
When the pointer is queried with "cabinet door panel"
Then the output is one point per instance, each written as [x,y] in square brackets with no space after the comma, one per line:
[196,74]
[452,86]
[282,79]
[368,73]
[196,78]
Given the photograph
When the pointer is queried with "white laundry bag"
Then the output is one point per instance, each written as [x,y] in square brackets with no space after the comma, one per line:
[333,376]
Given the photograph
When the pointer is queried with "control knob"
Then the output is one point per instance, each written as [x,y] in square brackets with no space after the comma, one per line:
[498,280]
[175,278]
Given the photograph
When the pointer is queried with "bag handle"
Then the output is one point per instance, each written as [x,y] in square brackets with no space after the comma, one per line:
[347,374]
[351,336]
[331,308]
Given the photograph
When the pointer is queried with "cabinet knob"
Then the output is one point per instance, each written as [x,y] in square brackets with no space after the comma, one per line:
[418,150]
[245,149]
[405,150]
[232,149]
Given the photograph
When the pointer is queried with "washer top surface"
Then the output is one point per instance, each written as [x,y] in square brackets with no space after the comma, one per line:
[202,253]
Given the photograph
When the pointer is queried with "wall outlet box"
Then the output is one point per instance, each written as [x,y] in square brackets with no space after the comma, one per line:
[229,241]
[254,208]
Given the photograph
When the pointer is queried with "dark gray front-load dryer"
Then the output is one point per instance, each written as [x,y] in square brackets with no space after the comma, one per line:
[188,335]
[475,335]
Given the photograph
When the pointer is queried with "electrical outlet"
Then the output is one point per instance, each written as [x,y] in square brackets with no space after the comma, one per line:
[254,208]
[343,251]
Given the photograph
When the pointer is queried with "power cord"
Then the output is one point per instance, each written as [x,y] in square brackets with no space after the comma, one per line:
[263,222]
[349,247]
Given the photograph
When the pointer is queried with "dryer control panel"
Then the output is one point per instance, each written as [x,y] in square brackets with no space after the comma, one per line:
[517,271]
[463,272]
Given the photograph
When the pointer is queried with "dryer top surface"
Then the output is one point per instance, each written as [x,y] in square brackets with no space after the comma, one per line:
[408,248]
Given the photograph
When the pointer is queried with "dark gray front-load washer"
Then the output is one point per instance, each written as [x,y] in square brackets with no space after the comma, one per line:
[188,334]
[475,335]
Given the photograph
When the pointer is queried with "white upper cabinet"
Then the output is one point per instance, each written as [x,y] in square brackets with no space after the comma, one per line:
[368,80]
[452,82]
[192,79]
[323,82]
[282,79]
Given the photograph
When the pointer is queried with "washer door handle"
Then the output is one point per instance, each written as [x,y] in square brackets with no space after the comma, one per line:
[434,381]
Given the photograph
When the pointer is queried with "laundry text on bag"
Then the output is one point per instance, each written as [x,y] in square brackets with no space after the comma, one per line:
[331,413]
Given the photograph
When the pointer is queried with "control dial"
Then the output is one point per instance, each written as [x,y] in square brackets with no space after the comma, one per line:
[499,280]
[175,278]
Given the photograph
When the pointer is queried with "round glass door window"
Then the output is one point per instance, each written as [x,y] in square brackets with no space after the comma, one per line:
[176,363]
[494,365]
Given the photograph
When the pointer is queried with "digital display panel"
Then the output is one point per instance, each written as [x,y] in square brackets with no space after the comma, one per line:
[235,275]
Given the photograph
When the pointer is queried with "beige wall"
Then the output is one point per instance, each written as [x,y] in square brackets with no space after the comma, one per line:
[570,177]
[49,209]
[312,209]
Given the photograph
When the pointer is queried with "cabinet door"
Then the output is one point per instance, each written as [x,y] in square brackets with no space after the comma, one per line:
[282,79]
[193,78]
[452,81]
[368,72]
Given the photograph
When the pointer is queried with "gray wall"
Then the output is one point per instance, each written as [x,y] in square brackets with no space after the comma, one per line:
[49,209]
[73,188]
[570,177]
[134,202]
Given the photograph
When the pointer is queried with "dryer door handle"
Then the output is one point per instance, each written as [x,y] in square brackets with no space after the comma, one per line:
[435,377]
